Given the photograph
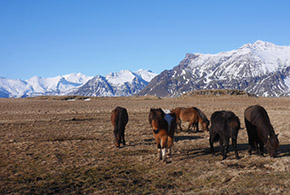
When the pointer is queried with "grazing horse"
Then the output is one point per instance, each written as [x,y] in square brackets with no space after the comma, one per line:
[260,131]
[119,118]
[224,124]
[163,128]
[191,115]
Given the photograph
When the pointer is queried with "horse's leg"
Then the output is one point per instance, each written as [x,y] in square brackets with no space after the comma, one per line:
[234,143]
[211,137]
[123,137]
[261,148]
[169,144]
[189,125]
[257,147]
[159,148]
[163,147]
[180,127]
[196,125]
[251,136]
[193,126]
[222,148]
[225,148]
[179,124]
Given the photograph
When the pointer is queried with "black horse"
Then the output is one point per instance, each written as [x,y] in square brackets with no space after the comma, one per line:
[260,131]
[119,118]
[224,124]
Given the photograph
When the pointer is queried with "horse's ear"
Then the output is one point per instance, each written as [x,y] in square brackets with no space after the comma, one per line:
[277,134]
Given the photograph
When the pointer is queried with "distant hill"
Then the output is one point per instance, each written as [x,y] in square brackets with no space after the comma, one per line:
[218,92]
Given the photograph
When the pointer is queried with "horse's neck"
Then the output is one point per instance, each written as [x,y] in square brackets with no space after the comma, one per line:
[199,118]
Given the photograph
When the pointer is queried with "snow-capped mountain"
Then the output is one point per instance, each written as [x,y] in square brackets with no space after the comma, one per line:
[13,88]
[123,83]
[36,86]
[261,68]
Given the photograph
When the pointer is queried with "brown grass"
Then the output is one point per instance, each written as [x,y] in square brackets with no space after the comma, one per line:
[50,145]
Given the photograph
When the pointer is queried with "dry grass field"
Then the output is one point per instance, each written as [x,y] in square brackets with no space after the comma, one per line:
[57,146]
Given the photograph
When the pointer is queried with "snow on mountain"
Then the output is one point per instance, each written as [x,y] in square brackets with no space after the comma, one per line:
[36,85]
[123,83]
[261,68]
[13,88]
[58,85]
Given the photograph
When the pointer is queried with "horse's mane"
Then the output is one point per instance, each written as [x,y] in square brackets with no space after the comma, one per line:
[201,114]
[261,120]
[156,113]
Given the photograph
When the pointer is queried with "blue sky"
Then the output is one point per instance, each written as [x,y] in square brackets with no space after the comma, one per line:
[95,37]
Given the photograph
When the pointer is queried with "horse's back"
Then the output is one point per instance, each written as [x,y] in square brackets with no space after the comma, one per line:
[225,123]
[256,114]
[119,116]
[188,114]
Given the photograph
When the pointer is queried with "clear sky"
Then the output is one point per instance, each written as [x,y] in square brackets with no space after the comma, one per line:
[95,37]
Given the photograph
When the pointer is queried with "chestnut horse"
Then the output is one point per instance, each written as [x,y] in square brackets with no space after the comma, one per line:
[119,119]
[163,128]
[224,125]
[260,131]
[193,116]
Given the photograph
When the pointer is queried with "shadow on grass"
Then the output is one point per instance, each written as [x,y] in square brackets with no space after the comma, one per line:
[186,137]
[284,151]
[198,152]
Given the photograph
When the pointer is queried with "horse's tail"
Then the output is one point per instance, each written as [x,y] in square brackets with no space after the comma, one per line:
[122,118]
[234,123]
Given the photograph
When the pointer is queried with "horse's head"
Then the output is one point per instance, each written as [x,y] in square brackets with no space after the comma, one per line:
[155,118]
[205,125]
[117,138]
[272,145]
[203,120]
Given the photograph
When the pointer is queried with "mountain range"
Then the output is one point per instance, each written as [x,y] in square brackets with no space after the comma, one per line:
[260,68]
[123,83]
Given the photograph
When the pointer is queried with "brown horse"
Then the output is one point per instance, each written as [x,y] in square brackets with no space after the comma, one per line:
[193,116]
[163,128]
[260,131]
[119,119]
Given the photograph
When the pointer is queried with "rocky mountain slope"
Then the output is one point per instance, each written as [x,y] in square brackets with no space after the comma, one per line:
[261,68]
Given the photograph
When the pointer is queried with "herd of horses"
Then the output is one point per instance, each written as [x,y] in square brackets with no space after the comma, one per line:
[224,125]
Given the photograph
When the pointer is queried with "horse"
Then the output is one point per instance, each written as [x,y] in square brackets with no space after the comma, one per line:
[260,131]
[163,128]
[119,119]
[224,125]
[193,116]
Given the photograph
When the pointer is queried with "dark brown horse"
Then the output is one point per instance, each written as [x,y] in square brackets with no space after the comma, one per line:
[191,115]
[224,125]
[260,131]
[119,118]
[163,128]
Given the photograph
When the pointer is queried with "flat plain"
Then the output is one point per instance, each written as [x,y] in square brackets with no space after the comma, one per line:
[57,145]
